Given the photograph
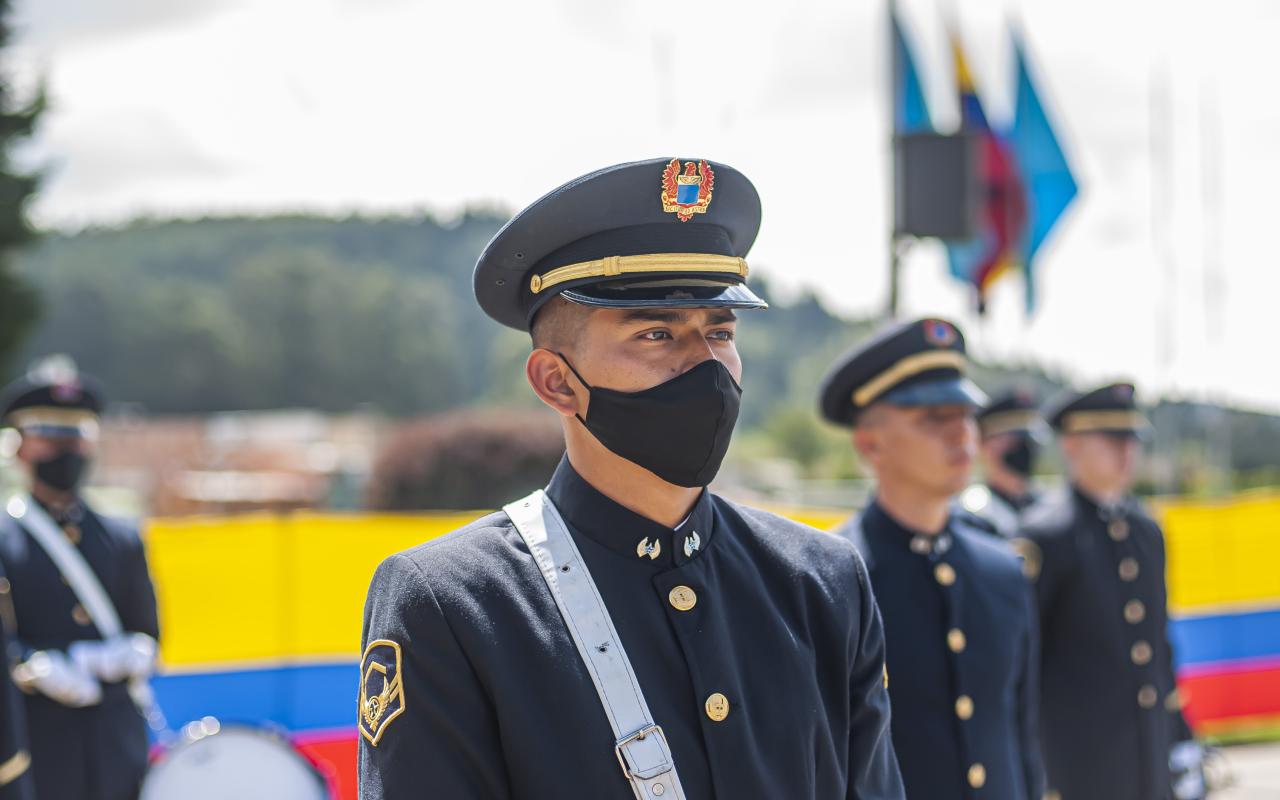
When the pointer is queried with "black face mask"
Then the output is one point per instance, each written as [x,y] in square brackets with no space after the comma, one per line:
[63,471]
[1021,456]
[678,430]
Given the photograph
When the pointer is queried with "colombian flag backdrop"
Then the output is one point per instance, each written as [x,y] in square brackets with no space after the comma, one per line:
[261,617]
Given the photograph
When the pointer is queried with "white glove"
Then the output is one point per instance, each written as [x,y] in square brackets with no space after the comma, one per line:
[1186,762]
[128,656]
[57,677]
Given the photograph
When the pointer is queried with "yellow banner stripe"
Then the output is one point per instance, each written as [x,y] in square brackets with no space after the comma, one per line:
[266,589]
[270,589]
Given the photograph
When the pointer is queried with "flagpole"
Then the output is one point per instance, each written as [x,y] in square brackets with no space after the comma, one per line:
[1219,433]
[895,73]
[1160,108]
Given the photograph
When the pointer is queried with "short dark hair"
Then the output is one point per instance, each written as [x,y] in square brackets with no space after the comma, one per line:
[558,324]
[871,416]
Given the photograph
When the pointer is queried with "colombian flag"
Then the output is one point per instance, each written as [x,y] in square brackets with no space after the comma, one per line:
[1002,214]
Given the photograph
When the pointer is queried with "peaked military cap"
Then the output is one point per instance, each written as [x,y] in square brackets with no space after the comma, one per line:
[1109,409]
[662,233]
[52,399]
[919,363]
[1014,411]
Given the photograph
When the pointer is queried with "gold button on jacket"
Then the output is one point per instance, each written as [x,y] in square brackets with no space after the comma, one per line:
[1134,612]
[682,598]
[717,706]
[945,574]
[1129,569]
[1140,653]
[977,776]
[80,615]
[1147,696]
[1118,530]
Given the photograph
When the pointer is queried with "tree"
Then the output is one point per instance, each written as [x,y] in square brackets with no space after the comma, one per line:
[18,301]
[466,460]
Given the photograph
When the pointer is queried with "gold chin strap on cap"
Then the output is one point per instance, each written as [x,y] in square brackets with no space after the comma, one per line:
[911,365]
[656,263]
[1093,421]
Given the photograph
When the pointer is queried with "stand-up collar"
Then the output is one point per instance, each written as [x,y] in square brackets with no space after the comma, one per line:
[630,535]
[69,514]
[875,518]
[1095,509]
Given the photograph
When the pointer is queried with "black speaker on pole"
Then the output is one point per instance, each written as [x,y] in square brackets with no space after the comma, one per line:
[936,188]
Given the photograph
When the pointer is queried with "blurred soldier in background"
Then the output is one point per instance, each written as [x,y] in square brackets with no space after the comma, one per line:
[1112,726]
[84,607]
[15,758]
[959,618]
[1010,431]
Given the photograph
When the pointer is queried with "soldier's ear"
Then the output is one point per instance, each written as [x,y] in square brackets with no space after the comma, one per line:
[866,443]
[551,381]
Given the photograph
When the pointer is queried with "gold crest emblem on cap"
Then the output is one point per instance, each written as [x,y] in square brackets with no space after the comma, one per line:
[689,192]
[381,689]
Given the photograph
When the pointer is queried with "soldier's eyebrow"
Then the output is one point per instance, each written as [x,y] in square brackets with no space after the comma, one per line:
[652,315]
[671,316]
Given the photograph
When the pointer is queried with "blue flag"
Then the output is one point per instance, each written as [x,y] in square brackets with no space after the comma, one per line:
[910,111]
[1043,167]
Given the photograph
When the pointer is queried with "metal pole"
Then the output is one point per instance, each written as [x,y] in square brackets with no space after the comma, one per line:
[1219,433]
[895,73]
[1166,439]
[895,265]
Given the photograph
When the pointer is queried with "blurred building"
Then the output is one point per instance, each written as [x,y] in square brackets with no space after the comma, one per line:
[236,462]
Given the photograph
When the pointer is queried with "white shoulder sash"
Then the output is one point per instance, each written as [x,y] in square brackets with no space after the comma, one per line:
[70,562]
[640,745]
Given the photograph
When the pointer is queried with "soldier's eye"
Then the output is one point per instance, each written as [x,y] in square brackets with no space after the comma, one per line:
[724,335]
[655,336]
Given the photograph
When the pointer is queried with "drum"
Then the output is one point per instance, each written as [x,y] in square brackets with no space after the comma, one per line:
[237,763]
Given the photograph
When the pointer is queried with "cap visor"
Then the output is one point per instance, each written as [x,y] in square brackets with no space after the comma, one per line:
[945,392]
[671,293]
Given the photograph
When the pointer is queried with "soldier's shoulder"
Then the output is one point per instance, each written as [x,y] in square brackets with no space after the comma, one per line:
[120,528]
[1050,517]
[802,549]
[994,556]
[473,554]
[975,522]
[1140,510]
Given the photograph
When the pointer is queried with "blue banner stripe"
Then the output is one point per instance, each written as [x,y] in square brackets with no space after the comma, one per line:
[309,697]
[298,698]
[1226,637]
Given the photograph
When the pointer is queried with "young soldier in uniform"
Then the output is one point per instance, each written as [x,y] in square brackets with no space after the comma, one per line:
[1111,720]
[627,633]
[1009,428]
[84,605]
[959,618]
[15,758]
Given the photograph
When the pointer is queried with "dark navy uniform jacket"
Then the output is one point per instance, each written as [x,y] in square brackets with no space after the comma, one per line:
[1110,711]
[98,752]
[15,757]
[497,704]
[960,635]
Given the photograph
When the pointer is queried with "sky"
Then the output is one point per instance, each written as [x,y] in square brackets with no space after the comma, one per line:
[1164,270]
